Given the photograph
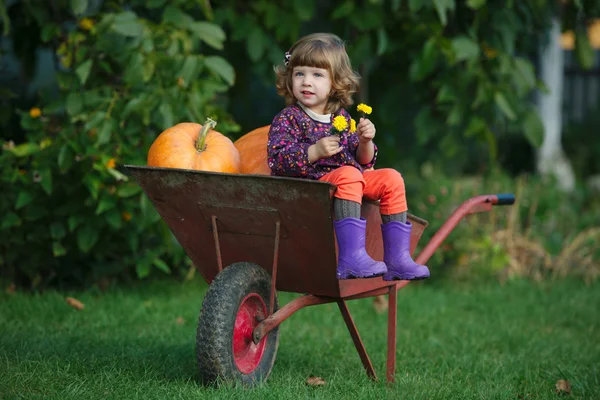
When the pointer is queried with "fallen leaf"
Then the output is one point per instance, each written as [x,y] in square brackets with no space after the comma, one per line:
[76,304]
[315,381]
[180,320]
[11,289]
[563,387]
[380,303]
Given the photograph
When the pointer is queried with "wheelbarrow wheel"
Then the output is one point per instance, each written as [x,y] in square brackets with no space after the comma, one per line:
[235,303]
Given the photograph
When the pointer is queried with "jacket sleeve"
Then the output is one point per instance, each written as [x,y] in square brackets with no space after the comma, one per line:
[287,155]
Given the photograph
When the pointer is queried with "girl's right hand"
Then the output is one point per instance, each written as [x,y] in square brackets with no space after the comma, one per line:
[324,148]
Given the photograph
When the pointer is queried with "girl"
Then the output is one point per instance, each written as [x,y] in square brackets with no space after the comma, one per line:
[317,82]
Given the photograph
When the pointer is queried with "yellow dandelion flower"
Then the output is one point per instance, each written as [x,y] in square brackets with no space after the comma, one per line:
[340,123]
[362,107]
[126,216]
[86,24]
[35,112]
[352,125]
[110,163]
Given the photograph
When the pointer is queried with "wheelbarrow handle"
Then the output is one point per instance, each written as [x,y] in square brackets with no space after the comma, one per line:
[504,199]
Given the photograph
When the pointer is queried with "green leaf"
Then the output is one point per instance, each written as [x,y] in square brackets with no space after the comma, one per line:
[58,249]
[425,125]
[155,3]
[476,126]
[23,199]
[442,6]
[87,237]
[503,104]
[218,65]
[425,62]
[148,69]
[106,203]
[127,24]
[10,220]
[175,16]
[446,95]
[118,175]
[73,222]
[524,75]
[160,264]
[583,49]
[303,9]
[475,4]
[25,149]
[79,6]
[93,184]
[166,112]
[57,230]
[382,41]
[465,48]
[255,44]
[65,158]
[74,103]
[533,128]
[128,190]
[46,180]
[343,10]
[212,34]
[189,70]
[415,5]
[142,269]
[105,132]
[134,105]
[83,71]
[114,218]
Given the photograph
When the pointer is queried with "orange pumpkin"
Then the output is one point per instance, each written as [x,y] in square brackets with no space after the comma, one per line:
[190,145]
[253,151]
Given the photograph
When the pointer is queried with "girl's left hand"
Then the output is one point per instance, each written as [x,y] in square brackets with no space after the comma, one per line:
[365,130]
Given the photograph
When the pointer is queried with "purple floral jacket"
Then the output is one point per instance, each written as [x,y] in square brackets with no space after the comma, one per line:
[293,131]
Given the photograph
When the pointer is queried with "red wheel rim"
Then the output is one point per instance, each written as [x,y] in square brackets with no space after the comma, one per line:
[246,354]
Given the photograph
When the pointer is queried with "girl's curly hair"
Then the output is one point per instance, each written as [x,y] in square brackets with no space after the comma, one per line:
[321,50]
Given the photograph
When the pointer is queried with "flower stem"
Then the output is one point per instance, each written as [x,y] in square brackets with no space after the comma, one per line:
[201,141]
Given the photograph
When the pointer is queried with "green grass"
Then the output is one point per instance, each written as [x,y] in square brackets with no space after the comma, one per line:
[486,342]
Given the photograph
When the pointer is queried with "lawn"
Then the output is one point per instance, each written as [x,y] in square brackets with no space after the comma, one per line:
[470,342]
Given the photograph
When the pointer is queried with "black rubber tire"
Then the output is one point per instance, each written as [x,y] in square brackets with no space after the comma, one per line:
[214,337]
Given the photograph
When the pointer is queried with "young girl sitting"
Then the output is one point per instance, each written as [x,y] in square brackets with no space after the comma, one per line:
[317,82]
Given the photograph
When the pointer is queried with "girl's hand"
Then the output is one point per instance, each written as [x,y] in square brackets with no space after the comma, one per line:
[365,130]
[324,148]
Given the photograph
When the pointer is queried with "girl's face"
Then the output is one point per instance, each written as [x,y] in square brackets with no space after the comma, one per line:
[311,87]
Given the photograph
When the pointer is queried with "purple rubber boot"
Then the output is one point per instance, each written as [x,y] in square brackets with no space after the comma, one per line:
[396,253]
[353,260]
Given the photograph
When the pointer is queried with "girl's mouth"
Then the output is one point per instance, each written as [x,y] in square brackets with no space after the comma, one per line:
[307,93]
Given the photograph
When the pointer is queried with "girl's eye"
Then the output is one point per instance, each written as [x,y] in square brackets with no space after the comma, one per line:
[298,73]
[318,75]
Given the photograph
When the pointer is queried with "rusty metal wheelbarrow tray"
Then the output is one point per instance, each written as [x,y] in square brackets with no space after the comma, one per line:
[285,226]
[245,210]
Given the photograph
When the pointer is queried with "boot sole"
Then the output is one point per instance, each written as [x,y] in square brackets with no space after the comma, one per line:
[392,277]
[350,275]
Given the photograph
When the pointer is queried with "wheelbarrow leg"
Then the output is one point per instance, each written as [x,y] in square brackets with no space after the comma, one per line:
[362,352]
[391,355]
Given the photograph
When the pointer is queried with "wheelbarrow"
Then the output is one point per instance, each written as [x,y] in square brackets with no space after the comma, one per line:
[251,236]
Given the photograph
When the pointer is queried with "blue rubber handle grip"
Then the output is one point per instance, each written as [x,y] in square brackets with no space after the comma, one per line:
[505,199]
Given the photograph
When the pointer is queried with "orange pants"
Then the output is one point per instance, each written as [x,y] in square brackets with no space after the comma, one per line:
[385,185]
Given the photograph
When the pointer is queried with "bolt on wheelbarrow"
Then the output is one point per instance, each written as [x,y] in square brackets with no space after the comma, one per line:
[251,236]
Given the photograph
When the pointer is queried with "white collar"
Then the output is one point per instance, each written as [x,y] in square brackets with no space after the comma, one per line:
[324,118]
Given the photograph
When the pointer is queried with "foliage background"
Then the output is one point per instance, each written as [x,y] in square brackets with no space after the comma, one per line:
[86,86]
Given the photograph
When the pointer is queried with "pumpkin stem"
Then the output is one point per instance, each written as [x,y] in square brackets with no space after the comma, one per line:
[201,141]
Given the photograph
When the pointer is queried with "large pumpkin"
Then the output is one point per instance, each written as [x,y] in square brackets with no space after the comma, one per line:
[252,148]
[190,145]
